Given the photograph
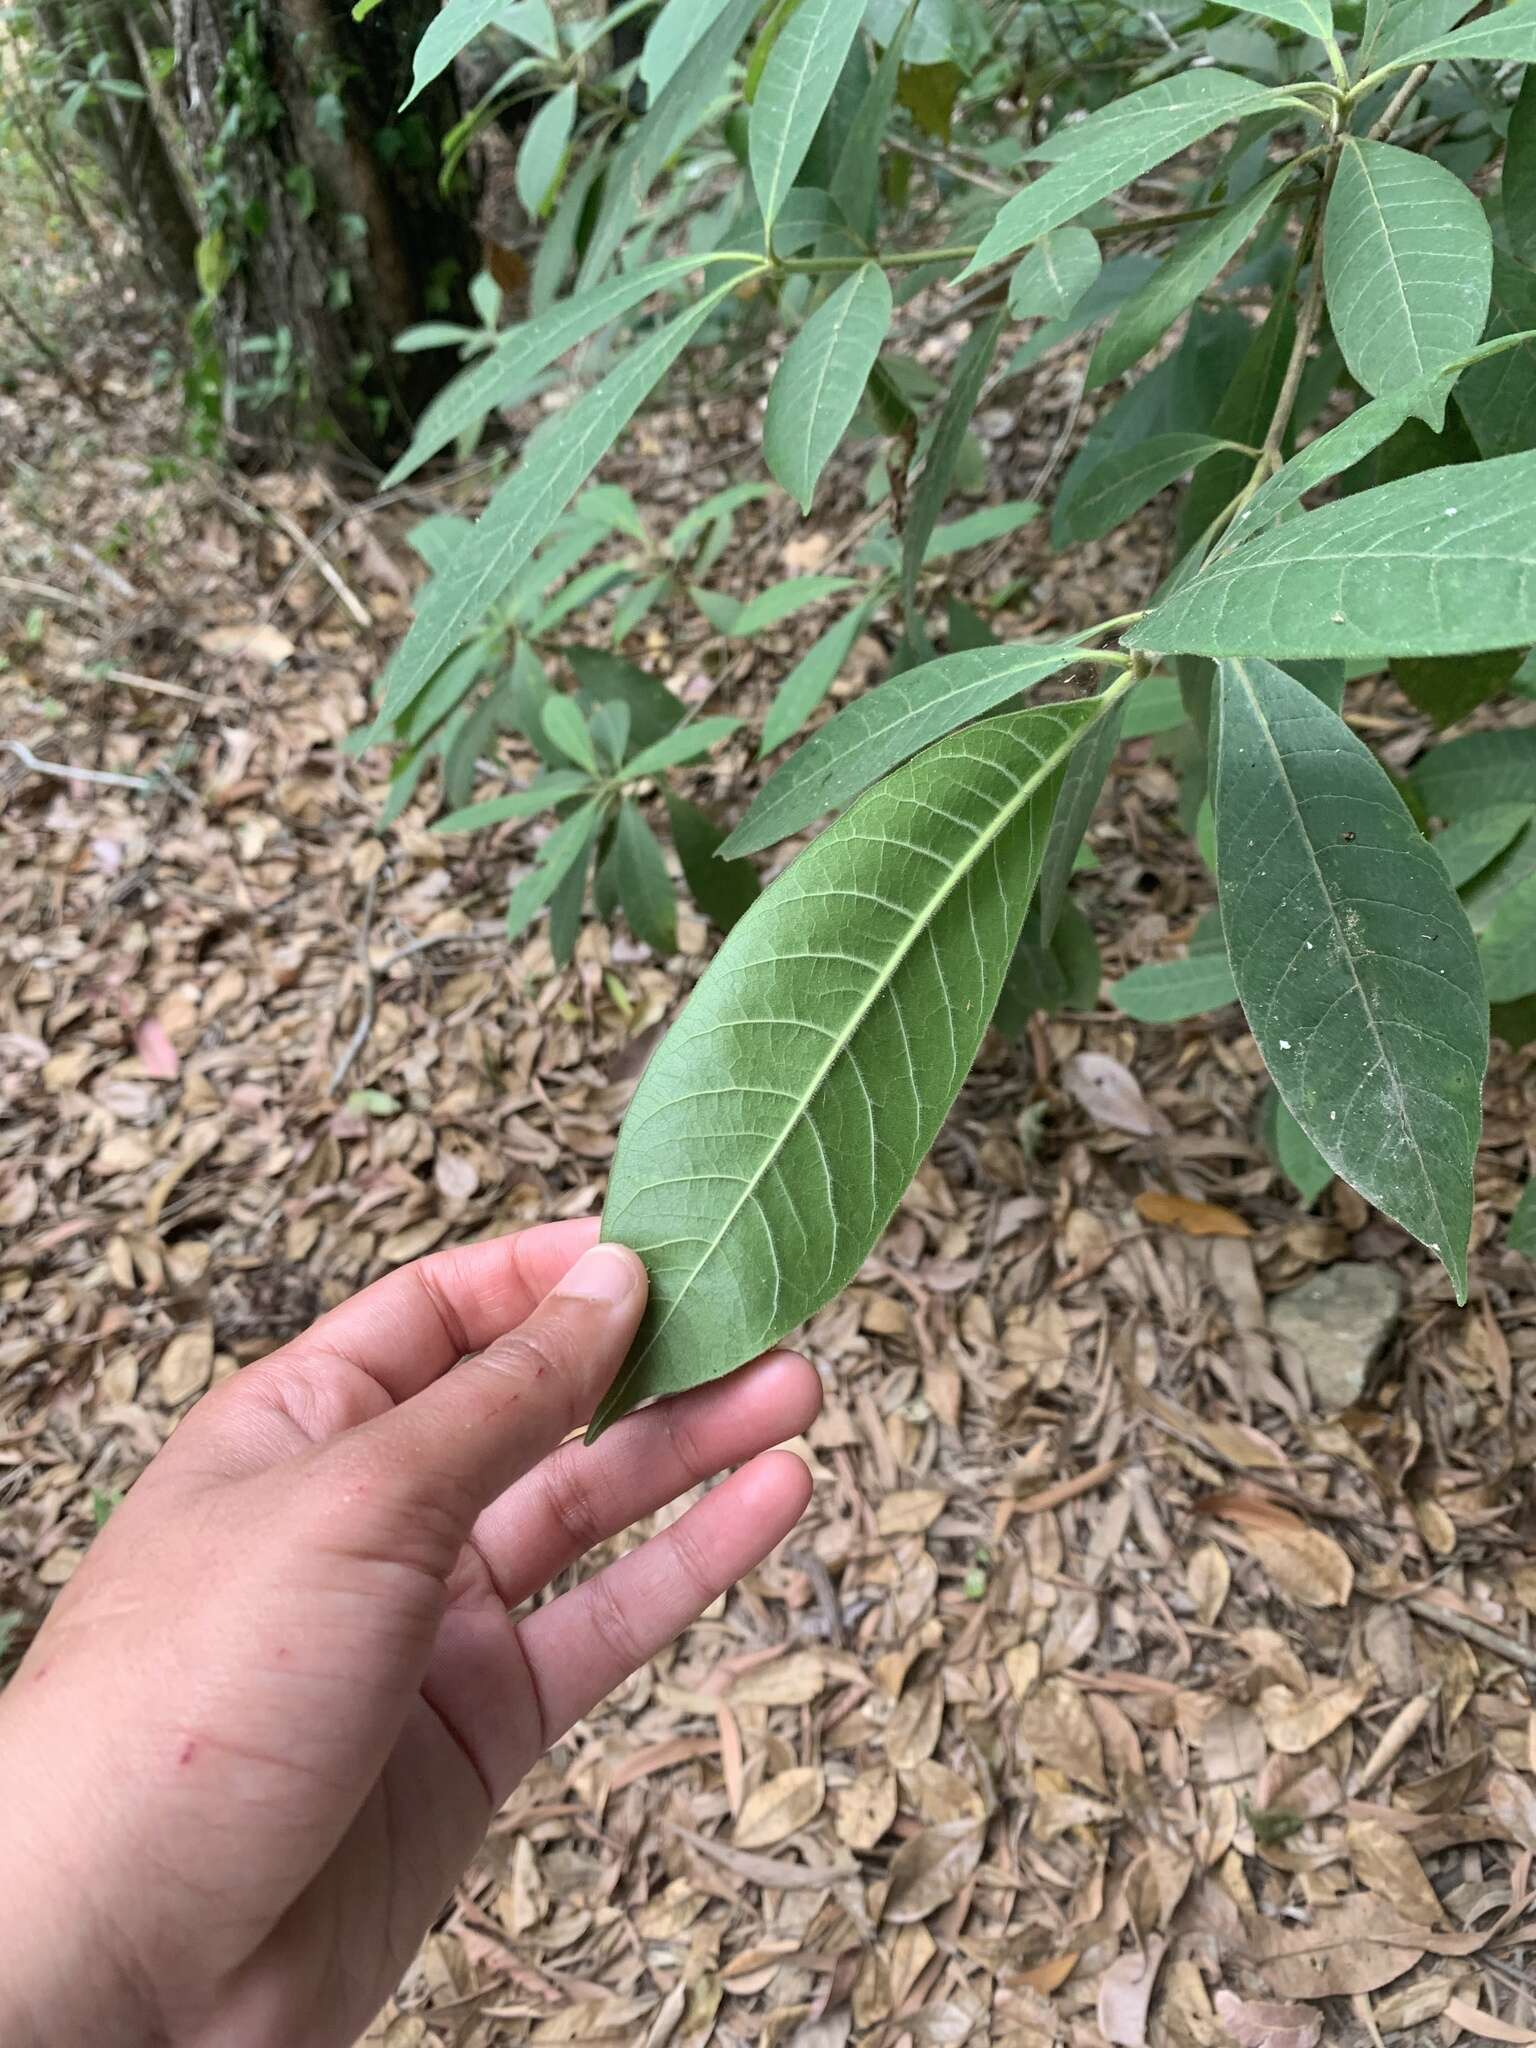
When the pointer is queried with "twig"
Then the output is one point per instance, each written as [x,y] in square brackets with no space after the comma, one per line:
[158,687]
[1058,453]
[1475,1631]
[62,771]
[364,1023]
[259,515]
[1399,103]
[49,354]
[25,586]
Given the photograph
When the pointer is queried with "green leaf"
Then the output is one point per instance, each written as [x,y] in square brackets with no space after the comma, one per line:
[685,744]
[1508,946]
[1519,182]
[927,500]
[1521,1235]
[798,81]
[1450,686]
[1052,278]
[1468,846]
[779,1122]
[1177,282]
[964,628]
[602,678]
[673,115]
[1439,563]
[569,843]
[1395,25]
[1080,790]
[1115,145]
[975,529]
[1312,17]
[1169,991]
[1353,960]
[1155,706]
[1129,478]
[460,21]
[645,887]
[1293,1151]
[564,724]
[884,726]
[811,678]
[817,388]
[641,600]
[1484,768]
[557,460]
[855,183]
[541,158]
[522,352]
[724,890]
[610,732]
[781,601]
[1507,35]
[1408,264]
[1496,395]
[373,1102]
[569,901]
[671,36]
[1058,973]
[542,795]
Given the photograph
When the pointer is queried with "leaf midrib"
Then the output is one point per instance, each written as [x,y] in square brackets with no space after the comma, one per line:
[1396,268]
[920,923]
[1390,1065]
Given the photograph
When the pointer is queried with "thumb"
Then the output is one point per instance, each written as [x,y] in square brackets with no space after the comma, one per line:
[446,1453]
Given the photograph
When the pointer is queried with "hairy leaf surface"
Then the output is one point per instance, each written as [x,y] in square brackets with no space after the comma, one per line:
[778,1124]
[1353,960]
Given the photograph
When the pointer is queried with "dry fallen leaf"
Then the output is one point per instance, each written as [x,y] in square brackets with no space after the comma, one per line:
[1384,1861]
[157,1055]
[185,1365]
[1050,1975]
[1056,1728]
[1209,1577]
[911,1513]
[1348,1948]
[1125,1995]
[930,1867]
[864,1810]
[1304,1565]
[1267,2023]
[1512,1803]
[1293,1725]
[780,1807]
[251,642]
[792,1681]
[1488,2026]
[1194,1219]
[1111,1094]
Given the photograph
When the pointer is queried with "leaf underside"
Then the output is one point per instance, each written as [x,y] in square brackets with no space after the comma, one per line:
[779,1123]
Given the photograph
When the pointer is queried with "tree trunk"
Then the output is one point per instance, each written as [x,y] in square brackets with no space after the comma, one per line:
[149,185]
[325,231]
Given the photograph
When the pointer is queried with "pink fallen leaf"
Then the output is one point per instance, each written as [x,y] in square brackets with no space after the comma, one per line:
[1111,1094]
[1125,1995]
[1268,2022]
[158,1057]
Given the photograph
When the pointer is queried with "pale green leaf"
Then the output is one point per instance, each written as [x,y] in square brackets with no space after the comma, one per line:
[1129,478]
[678,25]
[1481,769]
[1312,17]
[1508,946]
[975,529]
[686,744]
[603,678]
[1168,991]
[1392,26]
[570,842]
[523,351]
[557,460]
[541,158]
[565,726]
[1519,181]
[1468,846]
[1059,972]
[927,499]
[1521,1236]
[1155,706]
[1439,563]
[817,387]
[1080,790]
[1353,960]
[645,888]
[884,726]
[1408,264]
[798,80]
[810,679]
[1294,1152]
[1504,35]
[1178,281]
[855,182]
[1052,278]
[779,1122]
[542,795]
[460,21]
[1496,393]
[1115,145]
[781,601]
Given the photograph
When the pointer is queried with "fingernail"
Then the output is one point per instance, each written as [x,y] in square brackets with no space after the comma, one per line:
[606,1273]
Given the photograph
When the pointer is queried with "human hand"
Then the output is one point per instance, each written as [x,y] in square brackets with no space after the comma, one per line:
[267,1722]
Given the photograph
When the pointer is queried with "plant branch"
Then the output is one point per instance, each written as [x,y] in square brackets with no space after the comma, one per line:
[1398,105]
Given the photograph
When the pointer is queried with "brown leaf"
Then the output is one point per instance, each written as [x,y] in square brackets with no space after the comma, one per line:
[1050,1975]
[1057,1729]
[185,1365]
[252,642]
[792,1681]
[1512,1803]
[1345,1950]
[1267,2023]
[929,1869]
[157,1055]
[1294,1725]
[864,1810]
[1194,1219]
[1486,2025]
[1209,1577]
[1304,1565]
[1385,1862]
[1125,1995]
[911,1513]
[780,1807]
[1110,1093]
[775,1873]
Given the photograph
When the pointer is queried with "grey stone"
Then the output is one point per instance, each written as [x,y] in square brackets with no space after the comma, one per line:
[1338,1322]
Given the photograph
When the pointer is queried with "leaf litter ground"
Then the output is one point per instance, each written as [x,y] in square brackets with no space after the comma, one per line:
[1110,1691]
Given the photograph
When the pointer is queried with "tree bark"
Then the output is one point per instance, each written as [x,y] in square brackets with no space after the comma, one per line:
[326,231]
[136,149]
